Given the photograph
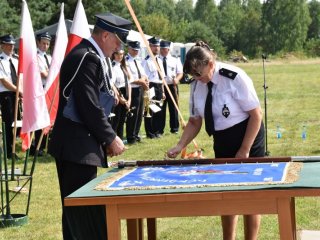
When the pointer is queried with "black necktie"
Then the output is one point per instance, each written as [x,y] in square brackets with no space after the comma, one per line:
[208,116]
[47,61]
[125,81]
[13,73]
[139,73]
[165,65]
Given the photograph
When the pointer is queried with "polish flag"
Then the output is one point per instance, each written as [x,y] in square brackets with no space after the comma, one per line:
[52,83]
[35,112]
[80,27]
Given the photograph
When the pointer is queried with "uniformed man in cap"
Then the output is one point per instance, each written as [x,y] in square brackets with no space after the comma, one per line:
[153,123]
[173,74]
[139,84]
[44,61]
[82,136]
[8,81]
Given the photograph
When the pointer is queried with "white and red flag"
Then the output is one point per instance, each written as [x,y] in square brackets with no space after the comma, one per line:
[80,27]
[52,83]
[35,112]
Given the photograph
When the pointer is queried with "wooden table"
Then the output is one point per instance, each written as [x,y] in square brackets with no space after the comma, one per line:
[265,199]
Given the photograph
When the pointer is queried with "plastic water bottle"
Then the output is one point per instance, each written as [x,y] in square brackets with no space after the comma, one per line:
[279,135]
[304,133]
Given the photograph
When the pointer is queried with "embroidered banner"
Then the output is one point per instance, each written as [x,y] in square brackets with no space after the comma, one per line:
[153,177]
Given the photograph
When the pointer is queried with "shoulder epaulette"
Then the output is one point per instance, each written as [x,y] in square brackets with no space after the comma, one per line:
[228,73]
[147,57]
[113,64]
[1,57]
[127,57]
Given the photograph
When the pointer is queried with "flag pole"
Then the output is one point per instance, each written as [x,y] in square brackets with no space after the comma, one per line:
[15,125]
[133,15]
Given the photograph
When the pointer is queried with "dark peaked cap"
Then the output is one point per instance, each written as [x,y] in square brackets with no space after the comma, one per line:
[154,41]
[114,24]
[44,35]
[7,39]
[165,44]
[134,45]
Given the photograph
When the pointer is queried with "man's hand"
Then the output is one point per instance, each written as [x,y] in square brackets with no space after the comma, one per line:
[116,147]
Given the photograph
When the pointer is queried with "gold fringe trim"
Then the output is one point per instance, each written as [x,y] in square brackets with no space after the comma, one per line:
[291,175]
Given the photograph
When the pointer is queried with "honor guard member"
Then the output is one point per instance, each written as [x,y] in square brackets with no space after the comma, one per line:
[153,123]
[139,84]
[224,96]
[44,61]
[173,74]
[82,136]
[122,83]
[8,81]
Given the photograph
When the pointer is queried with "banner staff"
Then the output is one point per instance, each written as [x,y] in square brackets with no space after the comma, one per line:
[155,63]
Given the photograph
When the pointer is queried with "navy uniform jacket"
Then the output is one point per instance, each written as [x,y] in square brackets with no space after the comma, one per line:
[82,143]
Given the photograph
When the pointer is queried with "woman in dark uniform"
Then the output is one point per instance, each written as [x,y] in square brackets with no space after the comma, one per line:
[122,79]
[232,115]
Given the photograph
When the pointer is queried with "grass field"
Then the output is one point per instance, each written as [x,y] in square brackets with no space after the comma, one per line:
[293,102]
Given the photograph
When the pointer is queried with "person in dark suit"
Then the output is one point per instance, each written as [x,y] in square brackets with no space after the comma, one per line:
[82,140]
[8,88]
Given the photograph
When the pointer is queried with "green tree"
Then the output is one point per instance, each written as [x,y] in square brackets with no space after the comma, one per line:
[199,31]
[184,11]
[206,12]
[231,15]
[156,24]
[285,25]
[9,20]
[248,35]
[314,28]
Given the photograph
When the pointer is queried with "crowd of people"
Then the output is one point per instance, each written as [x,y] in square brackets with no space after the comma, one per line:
[106,94]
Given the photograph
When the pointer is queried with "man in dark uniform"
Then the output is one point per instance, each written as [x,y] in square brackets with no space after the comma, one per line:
[82,140]
[173,74]
[44,61]
[8,80]
[139,84]
[153,124]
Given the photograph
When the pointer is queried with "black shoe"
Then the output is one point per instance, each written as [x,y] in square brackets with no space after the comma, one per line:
[131,141]
[9,155]
[138,138]
[151,136]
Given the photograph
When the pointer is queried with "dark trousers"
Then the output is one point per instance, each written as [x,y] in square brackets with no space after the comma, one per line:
[37,135]
[153,124]
[173,112]
[7,102]
[85,222]
[119,119]
[134,122]
[227,142]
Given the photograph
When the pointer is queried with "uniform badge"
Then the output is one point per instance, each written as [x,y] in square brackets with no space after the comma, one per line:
[225,111]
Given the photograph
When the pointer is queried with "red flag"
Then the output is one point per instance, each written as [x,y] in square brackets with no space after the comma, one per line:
[52,83]
[35,113]
[80,27]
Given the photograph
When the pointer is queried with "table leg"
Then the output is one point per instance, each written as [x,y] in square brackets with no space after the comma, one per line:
[152,228]
[286,218]
[113,222]
[135,229]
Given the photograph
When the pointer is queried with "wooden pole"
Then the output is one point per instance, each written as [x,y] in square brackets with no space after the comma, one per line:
[133,15]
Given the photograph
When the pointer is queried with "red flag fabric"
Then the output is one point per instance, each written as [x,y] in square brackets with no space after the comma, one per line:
[52,83]
[80,27]
[35,112]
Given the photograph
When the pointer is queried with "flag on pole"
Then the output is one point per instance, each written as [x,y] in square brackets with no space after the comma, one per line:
[80,27]
[35,112]
[52,83]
